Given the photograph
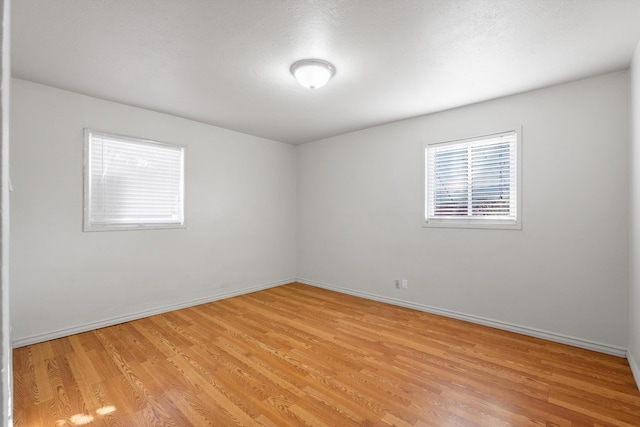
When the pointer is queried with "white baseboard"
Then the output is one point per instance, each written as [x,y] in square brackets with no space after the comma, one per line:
[33,339]
[551,336]
[524,330]
[635,369]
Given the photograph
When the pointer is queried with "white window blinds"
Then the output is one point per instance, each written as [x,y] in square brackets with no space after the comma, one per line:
[132,183]
[473,181]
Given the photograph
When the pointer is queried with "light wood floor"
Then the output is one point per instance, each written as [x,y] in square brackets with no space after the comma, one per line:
[297,355]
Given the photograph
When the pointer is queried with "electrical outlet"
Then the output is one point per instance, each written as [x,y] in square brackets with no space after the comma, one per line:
[405,284]
[397,284]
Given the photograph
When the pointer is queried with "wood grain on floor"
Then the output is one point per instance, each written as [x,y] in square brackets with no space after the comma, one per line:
[296,355]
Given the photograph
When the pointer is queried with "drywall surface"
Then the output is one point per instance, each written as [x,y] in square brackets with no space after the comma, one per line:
[565,274]
[634,218]
[6,369]
[240,216]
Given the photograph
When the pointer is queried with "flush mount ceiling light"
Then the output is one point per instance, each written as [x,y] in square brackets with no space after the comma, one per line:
[312,73]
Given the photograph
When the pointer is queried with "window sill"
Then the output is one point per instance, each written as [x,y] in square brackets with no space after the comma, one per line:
[467,223]
[129,227]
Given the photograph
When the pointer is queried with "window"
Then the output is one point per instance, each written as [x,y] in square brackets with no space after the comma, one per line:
[473,183]
[132,183]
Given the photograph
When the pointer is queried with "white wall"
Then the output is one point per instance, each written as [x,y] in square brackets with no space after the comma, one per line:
[240,213]
[563,276]
[358,208]
[634,219]
[5,330]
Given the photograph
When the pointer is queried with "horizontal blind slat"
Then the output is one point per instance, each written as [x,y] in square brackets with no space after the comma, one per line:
[472,178]
[134,181]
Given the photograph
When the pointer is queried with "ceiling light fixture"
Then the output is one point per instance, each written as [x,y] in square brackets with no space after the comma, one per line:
[312,73]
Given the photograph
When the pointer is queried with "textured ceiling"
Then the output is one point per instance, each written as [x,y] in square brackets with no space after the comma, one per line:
[226,62]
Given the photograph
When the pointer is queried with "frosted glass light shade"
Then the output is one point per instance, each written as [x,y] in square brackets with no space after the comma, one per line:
[312,73]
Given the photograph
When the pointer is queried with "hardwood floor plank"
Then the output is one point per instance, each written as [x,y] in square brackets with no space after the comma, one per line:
[296,355]
[106,411]
[41,366]
[597,407]
[118,395]
[193,407]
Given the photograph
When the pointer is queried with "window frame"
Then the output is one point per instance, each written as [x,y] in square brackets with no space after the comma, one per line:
[478,221]
[89,226]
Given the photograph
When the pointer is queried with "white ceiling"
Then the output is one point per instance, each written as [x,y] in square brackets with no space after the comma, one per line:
[226,62]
